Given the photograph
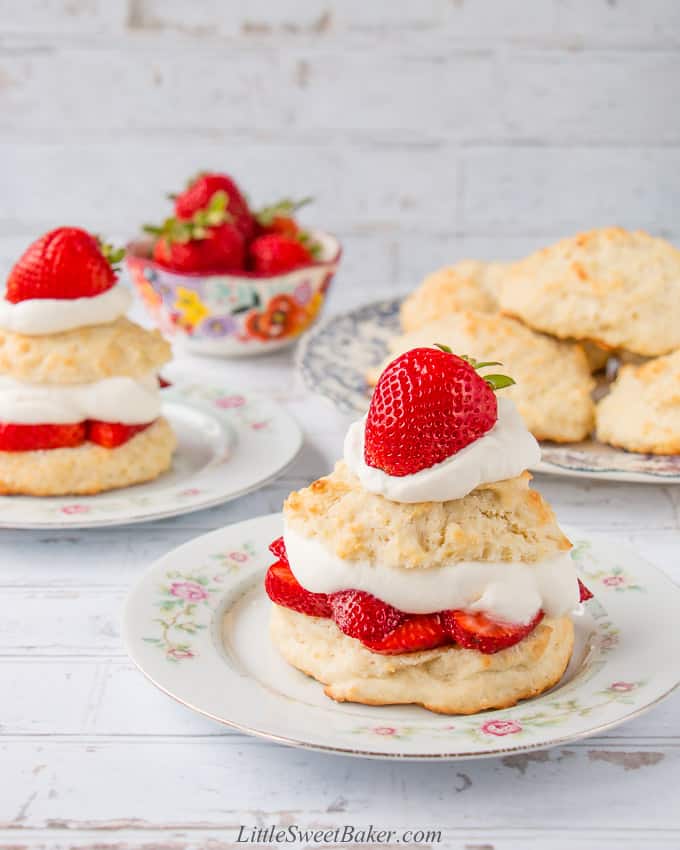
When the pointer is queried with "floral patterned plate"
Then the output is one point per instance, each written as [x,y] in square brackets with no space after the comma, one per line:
[229,444]
[197,625]
[335,356]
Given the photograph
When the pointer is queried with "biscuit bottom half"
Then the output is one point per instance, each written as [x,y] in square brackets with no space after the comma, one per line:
[88,469]
[449,680]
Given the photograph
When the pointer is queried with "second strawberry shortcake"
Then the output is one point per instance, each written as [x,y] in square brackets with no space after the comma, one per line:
[80,408]
[424,569]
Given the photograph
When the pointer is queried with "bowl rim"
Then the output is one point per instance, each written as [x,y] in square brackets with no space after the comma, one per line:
[134,248]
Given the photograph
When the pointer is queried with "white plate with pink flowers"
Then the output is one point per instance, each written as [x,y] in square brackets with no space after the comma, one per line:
[229,443]
[196,625]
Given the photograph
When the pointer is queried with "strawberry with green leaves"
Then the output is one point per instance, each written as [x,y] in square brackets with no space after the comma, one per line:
[201,190]
[429,404]
[65,263]
[207,242]
[282,244]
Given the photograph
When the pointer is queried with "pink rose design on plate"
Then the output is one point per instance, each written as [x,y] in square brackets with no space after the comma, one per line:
[501,727]
[258,426]
[191,491]
[229,401]
[239,557]
[180,653]
[622,687]
[75,509]
[188,590]
[385,730]
[613,581]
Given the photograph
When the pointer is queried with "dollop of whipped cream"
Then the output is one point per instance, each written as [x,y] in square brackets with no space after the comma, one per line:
[503,452]
[508,591]
[42,316]
[127,400]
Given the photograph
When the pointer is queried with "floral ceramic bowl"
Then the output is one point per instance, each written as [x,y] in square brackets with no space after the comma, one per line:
[234,314]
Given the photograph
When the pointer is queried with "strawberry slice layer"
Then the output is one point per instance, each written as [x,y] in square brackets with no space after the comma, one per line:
[415,633]
[283,588]
[112,434]
[363,616]
[384,629]
[30,438]
[475,630]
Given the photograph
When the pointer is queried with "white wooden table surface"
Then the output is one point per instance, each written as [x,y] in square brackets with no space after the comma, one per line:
[91,755]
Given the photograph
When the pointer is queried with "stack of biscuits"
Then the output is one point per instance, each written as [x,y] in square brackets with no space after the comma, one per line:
[557,317]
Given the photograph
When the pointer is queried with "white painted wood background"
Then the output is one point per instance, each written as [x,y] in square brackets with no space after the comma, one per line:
[427,131]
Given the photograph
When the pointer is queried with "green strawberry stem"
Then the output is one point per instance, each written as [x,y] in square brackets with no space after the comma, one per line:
[197,227]
[285,208]
[112,255]
[495,381]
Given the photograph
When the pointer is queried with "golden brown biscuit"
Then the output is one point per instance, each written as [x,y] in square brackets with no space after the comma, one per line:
[553,380]
[89,468]
[83,355]
[449,680]
[504,521]
[469,285]
[642,411]
[613,286]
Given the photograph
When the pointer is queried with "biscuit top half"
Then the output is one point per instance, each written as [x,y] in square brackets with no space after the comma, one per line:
[504,521]
[121,348]
[615,287]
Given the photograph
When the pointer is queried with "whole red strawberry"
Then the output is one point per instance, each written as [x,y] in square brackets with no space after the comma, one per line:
[65,263]
[207,242]
[275,253]
[221,249]
[200,192]
[428,405]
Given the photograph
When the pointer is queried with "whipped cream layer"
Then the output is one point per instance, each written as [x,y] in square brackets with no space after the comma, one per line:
[503,452]
[509,591]
[131,401]
[42,316]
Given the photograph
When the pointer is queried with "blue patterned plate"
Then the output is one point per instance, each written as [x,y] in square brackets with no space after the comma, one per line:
[334,357]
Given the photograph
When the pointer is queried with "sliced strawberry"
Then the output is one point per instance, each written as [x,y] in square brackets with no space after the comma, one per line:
[112,434]
[27,438]
[417,632]
[584,593]
[283,588]
[474,630]
[361,615]
[278,549]
[65,263]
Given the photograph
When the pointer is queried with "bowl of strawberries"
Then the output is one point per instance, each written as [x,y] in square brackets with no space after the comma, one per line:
[228,279]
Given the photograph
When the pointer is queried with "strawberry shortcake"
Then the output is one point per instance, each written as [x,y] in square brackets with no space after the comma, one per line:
[424,569]
[79,387]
